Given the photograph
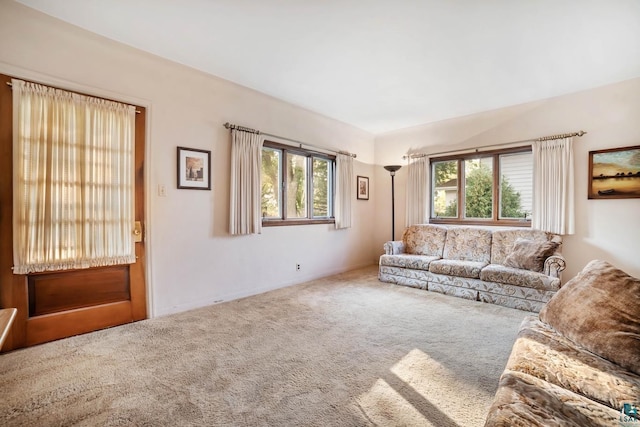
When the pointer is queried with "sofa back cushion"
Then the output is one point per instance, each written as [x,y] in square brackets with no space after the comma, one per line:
[598,310]
[502,242]
[424,239]
[468,244]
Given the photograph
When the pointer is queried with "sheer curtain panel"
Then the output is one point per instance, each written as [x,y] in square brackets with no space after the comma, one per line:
[345,184]
[246,194]
[73,180]
[418,192]
[553,186]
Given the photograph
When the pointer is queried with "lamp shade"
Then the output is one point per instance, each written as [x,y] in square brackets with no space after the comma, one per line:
[392,168]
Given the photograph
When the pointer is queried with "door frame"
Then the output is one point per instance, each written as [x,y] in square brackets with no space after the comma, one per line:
[18,337]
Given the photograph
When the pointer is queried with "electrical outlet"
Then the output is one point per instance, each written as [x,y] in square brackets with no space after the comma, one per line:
[297,267]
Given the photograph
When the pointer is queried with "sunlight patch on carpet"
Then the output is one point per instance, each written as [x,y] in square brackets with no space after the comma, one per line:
[445,390]
[385,406]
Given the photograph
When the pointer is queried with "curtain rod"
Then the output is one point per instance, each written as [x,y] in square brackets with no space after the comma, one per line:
[92,96]
[300,144]
[542,138]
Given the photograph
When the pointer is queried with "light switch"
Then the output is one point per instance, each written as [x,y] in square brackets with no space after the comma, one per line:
[162,190]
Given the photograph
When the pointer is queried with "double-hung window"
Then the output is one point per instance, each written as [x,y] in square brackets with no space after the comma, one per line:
[483,188]
[297,185]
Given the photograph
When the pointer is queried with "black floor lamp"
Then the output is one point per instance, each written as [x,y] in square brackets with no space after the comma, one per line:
[392,169]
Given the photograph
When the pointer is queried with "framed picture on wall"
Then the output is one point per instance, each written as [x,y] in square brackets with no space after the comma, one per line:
[614,173]
[194,169]
[363,188]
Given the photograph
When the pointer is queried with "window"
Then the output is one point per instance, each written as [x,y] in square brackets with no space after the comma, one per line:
[488,188]
[297,185]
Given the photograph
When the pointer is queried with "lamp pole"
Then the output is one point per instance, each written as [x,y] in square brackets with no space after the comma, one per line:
[392,170]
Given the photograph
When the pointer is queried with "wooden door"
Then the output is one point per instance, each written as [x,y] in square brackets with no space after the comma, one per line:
[54,305]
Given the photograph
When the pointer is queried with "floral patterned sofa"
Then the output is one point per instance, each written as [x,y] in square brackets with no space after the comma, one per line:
[518,268]
[577,364]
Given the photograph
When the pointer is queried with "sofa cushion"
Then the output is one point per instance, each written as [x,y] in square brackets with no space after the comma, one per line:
[468,244]
[502,241]
[515,276]
[530,254]
[599,310]
[453,267]
[543,353]
[424,239]
[416,262]
[526,401]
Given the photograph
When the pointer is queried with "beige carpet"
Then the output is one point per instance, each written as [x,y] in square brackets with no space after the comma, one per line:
[342,351]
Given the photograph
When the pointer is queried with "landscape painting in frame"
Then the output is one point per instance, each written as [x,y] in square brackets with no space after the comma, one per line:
[615,173]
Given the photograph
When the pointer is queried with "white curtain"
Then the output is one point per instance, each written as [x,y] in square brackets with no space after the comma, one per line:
[73,180]
[418,192]
[345,186]
[553,186]
[246,194]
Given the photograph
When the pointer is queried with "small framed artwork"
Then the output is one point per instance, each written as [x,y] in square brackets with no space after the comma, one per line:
[194,169]
[614,173]
[363,188]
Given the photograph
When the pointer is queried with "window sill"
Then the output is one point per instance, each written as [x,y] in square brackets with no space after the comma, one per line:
[301,221]
[503,222]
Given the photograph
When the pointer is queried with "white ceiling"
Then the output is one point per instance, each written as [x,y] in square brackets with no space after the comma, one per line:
[382,65]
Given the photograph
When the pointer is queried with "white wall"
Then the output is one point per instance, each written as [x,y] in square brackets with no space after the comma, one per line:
[606,229]
[192,259]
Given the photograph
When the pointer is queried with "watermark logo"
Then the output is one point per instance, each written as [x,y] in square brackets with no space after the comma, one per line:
[629,415]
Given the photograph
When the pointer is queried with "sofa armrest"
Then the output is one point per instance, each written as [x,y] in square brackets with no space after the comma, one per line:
[394,247]
[554,265]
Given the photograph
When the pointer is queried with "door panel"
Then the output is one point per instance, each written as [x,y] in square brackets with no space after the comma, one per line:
[55,305]
[51,327]
[56,292]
